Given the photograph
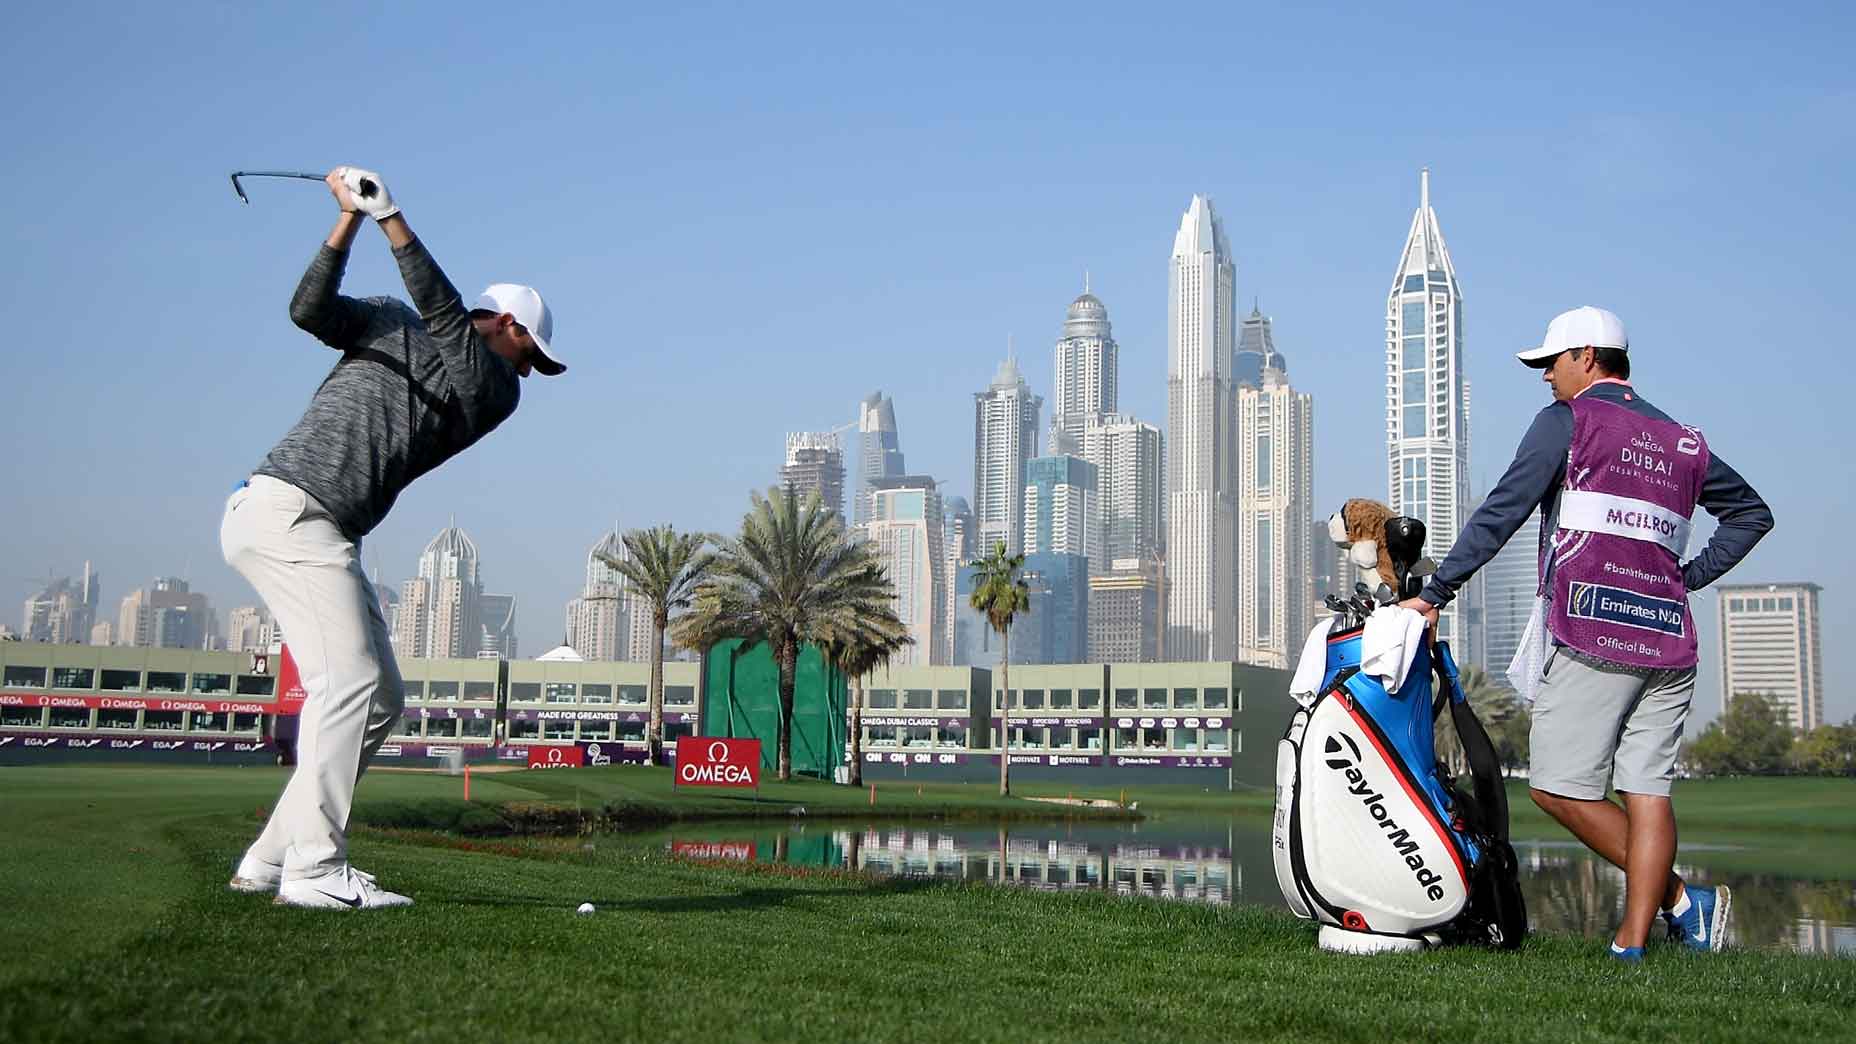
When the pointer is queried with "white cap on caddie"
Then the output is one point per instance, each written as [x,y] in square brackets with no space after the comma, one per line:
[526,307]
[1584,327]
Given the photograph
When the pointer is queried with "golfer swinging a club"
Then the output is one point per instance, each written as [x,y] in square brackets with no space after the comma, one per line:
[415,385]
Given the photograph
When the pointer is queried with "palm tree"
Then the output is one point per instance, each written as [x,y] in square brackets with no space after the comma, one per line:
[868,644]
[663,567]
[1000,593]
[791,576]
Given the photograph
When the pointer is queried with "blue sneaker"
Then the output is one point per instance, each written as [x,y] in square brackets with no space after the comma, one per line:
[1704,926]
[1626,954]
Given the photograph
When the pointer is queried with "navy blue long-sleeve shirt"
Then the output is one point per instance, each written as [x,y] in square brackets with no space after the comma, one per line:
[1538,473]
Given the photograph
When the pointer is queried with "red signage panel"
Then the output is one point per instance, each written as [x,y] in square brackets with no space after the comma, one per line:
[712,851]
[290,691]
[710,761]
[556,757]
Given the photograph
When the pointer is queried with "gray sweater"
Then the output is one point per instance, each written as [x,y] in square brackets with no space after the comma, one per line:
[412,389]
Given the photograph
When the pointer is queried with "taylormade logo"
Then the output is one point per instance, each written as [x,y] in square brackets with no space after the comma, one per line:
[1347,762]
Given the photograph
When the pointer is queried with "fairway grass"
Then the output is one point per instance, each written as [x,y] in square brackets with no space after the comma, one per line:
[118,926]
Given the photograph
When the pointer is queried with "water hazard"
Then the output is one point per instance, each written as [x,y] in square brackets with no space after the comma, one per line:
[1228,861]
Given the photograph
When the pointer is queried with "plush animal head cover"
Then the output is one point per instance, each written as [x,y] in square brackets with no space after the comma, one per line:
[1360,526]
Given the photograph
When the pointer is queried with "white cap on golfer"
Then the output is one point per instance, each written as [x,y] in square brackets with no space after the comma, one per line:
[526,307]
[1585,327]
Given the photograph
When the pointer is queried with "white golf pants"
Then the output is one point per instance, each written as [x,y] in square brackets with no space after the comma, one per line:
[309,575]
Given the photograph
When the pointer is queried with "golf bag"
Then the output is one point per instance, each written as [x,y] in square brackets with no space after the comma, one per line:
[1371,837]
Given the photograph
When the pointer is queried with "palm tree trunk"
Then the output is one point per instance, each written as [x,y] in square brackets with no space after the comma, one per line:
[654,729]
[788,658]
[857,732]
[1005,706]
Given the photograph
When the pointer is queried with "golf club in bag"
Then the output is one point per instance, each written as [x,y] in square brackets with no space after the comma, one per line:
[1371,837]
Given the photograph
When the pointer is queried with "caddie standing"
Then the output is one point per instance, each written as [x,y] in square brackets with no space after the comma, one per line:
[415,386]
[1608,660]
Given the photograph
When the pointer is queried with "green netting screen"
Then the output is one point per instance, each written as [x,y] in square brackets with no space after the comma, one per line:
[741,698]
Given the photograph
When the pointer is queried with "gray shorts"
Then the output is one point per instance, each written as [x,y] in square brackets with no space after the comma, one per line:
[1597,723]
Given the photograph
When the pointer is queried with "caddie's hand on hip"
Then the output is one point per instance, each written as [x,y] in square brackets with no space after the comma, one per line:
[368,192]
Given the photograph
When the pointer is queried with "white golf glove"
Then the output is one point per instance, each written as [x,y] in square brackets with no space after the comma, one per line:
[369,192]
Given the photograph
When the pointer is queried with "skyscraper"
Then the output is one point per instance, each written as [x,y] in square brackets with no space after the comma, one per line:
[815,464]
[596,621]
[1125,625]
[879,449]
[247,630]
[1201,470]
[906,527]
[498,615]
[1005,435]
[1770,645]
[960,543]
[1130,458]
[441,609]
[1085,375]
[63,611]
[1510,581]
[1276,491]
[1256,350]
[1427,416]
[1060,514]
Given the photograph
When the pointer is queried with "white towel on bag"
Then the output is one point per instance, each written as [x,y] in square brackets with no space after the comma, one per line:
[1313,665]
[1391,642]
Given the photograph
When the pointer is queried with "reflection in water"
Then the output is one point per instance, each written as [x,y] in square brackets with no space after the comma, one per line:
[1568,890]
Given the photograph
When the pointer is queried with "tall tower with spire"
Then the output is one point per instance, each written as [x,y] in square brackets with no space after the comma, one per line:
[1427,405]
[1201,470]
[1086,373]
[1005,435]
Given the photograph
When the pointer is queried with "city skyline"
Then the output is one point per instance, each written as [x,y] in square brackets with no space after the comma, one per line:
[705,286]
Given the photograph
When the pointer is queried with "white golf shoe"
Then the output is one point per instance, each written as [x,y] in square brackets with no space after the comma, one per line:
[345,889]
[254,875]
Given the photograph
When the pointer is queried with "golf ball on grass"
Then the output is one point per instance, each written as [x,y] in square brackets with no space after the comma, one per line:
[584,909]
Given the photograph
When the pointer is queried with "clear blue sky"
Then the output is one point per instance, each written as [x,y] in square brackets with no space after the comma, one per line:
[746,218]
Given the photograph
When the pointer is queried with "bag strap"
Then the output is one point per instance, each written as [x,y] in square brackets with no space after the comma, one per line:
[1485,767]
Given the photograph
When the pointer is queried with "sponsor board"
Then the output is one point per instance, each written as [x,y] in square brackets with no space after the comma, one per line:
[1589,601]
[134,703]
[1062,722]
[1171,760]
[879,757]
[555,756]
[1056,759]
[714,761]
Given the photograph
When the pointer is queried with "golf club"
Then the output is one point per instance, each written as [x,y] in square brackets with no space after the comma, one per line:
[1336,604]
[367,187]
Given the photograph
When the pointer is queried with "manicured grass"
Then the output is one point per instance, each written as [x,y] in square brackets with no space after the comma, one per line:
[118,926]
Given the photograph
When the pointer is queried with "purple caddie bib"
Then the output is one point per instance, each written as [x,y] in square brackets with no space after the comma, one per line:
[1615,582]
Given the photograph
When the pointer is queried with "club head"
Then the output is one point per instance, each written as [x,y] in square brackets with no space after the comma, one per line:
[236,187]
[1385,595]
[1361,590]
[1423,567]
[1335,603]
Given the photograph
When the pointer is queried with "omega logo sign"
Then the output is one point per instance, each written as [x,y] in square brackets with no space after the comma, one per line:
[708,761]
